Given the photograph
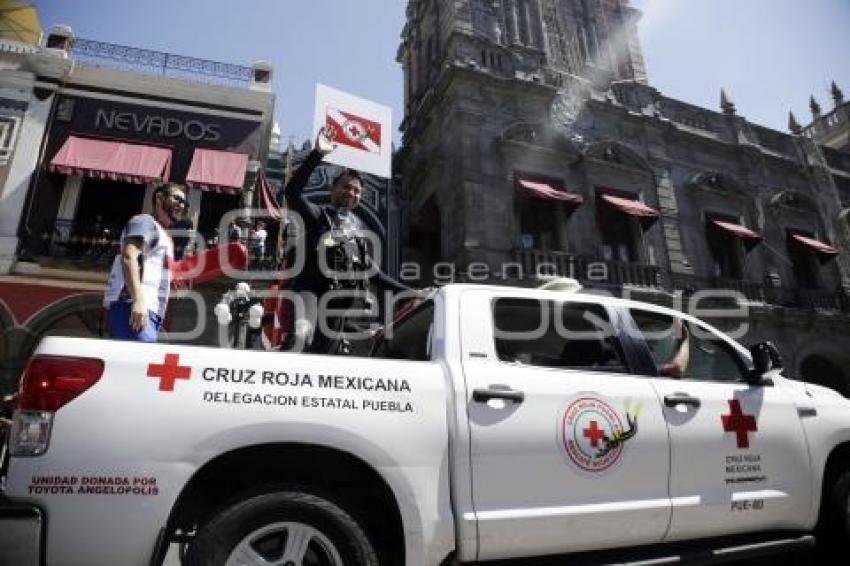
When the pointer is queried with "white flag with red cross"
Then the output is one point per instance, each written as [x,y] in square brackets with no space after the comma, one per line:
[360,128]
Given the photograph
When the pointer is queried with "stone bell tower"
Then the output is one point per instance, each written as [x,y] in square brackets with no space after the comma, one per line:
[473,69]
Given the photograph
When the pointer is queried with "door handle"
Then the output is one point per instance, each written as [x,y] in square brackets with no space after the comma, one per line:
[681,399]
[506,394]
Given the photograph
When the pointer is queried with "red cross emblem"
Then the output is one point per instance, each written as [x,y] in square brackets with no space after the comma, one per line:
[593,433]
[169,371]
[739,423]
[355,130]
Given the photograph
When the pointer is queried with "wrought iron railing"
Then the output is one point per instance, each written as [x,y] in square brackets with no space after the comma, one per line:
[90,240]
[632,274]
[534,263]
[99,53]
[94,243]
[594,272]
[751,290]
[819,300]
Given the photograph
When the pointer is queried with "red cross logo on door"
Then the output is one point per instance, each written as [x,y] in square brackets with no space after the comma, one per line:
[593,433]
[169,371]
[739,423]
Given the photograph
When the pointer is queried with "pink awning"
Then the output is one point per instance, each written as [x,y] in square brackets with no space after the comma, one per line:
[548,192]
[632,207]
[743,233]
[119,161]
[824,250]
[217,171]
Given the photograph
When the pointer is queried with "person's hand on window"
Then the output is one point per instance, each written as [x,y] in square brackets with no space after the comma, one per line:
[677,364]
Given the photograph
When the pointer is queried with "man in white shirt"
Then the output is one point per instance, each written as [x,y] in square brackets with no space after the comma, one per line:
[139,282]
[257,241]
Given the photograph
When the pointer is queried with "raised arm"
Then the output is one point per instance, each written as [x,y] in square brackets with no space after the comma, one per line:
[677,364]
[293,192]
[386,282]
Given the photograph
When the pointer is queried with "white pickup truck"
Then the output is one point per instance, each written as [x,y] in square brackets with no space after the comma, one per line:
[491,423]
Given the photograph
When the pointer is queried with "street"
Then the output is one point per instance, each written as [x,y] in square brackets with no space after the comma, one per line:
[799,558]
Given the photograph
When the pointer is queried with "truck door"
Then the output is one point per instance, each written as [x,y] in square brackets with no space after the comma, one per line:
[739,457]
[569,452]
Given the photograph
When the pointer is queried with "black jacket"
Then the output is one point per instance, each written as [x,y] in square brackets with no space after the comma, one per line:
[318,221]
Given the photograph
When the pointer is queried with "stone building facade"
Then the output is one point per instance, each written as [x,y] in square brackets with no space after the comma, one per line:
[534,143]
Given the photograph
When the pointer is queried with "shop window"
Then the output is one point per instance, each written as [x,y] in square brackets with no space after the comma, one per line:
[544,333]
[9,126]
[103,210]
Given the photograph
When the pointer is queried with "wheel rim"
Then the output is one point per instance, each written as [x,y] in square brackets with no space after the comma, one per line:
[285,544]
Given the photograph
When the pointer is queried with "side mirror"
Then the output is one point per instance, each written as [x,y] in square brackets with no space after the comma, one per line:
[765,358]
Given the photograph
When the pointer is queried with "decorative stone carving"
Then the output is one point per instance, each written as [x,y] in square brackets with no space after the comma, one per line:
[717,182]
[620,154]
[792,199]
[540,135]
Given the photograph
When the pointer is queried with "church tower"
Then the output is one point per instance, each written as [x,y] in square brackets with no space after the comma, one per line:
[475,69]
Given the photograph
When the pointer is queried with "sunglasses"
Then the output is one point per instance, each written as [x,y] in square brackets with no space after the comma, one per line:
[179,199]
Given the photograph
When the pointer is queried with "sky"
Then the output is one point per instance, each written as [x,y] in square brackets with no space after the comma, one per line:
[769,55]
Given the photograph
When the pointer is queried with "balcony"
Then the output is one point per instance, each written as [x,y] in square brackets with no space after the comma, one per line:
[815,299]
[589,271]
[68,242]
[809,299]
[612,275]
[114,56]
[753,292]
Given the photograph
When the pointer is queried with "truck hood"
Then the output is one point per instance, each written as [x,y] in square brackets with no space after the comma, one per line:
[809,392]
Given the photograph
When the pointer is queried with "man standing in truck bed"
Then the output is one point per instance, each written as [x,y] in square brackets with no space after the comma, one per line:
[139,282]
[334,245]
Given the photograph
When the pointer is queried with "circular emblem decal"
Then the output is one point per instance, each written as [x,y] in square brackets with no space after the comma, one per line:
[354,130]
[589,430]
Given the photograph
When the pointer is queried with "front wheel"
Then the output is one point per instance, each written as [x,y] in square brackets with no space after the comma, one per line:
[286,528]
[834,527]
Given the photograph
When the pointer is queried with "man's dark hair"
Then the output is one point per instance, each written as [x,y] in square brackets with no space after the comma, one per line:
[353,173]
[166,188]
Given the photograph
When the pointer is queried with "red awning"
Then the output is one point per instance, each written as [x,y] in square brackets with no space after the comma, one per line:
[217,171]
[632,207]
[545,191]
[824,250]
[266,200]
[743,233]
[119,161]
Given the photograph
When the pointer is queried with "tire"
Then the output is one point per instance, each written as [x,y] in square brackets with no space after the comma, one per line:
[288,528]
[834,528]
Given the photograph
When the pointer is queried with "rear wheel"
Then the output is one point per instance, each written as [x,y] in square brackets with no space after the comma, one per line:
[285,528]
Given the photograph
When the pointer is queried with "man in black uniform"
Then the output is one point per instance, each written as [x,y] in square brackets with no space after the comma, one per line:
[337,255]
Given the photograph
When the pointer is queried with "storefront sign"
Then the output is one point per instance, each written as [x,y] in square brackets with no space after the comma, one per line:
[154,125]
